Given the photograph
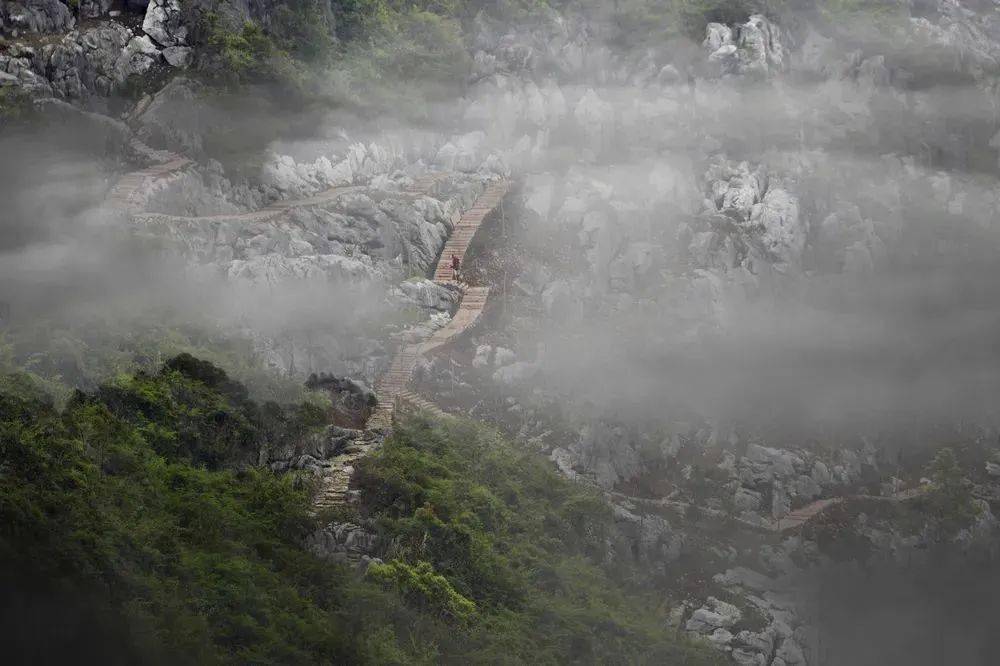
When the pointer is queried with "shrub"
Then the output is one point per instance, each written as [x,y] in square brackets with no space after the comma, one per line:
[422,587]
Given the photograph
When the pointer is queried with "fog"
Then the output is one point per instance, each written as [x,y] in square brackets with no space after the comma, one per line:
[861,301]
[70,271]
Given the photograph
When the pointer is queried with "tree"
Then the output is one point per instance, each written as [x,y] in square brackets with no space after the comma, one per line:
[950,499]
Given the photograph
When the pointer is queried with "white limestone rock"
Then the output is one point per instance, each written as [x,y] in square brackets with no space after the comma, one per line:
[746,499]
[744,578]
[759,47]
[163,22]
[482,357]
[783,232]
[717,35]
[715,614]
[502,357]
[138,57]
[178,56]
[428,294]
[35,16]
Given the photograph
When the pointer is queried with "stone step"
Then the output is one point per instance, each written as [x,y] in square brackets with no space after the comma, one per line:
[391,386]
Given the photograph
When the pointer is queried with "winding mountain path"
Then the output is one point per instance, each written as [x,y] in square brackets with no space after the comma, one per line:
[391,386]
[789,522]
[126,193]
[130,193]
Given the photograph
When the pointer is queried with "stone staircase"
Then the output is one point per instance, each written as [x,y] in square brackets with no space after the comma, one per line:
[335,485]
[466,228]
[469,311]
[126,194]
[391,386]
[414,401]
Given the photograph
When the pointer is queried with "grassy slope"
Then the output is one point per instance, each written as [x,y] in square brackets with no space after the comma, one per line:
[519,542]
[126,535]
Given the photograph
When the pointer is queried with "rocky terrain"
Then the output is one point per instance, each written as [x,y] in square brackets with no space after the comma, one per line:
[732,211]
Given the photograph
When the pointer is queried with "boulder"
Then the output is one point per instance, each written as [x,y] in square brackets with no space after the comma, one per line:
[715,614]
[502,357]
[821,474]
[428,294]
[759,47]
[758,643]
[744,657]
[163,22]
[35,16]
[102,47]
[745,578]
[94,8]
[746,499]
[340,541]
[176,118]
[717,35]
[781,229]
[482,358]
[138,57]
[178,56]
[462,153]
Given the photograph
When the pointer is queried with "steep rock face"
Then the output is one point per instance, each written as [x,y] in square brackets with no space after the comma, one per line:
[345,542]
[34,17]
[82,65]
[754,48]
[176,119]
[138,57]
[164,23]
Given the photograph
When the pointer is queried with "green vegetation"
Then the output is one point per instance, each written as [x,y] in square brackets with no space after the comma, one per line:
[949,502]
[63,357]
[487,533]
[135,528]
[405,55]
[107,515]
[14,104]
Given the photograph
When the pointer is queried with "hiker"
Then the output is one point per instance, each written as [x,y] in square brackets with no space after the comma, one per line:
[456,264]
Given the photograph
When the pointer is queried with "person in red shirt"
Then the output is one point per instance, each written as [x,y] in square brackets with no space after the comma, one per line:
[456,264]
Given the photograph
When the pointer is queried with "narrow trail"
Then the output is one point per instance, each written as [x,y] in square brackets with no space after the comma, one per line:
[127,193]
[789,522]
[266,214]
[391,386]
[130,194]
[124,195]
